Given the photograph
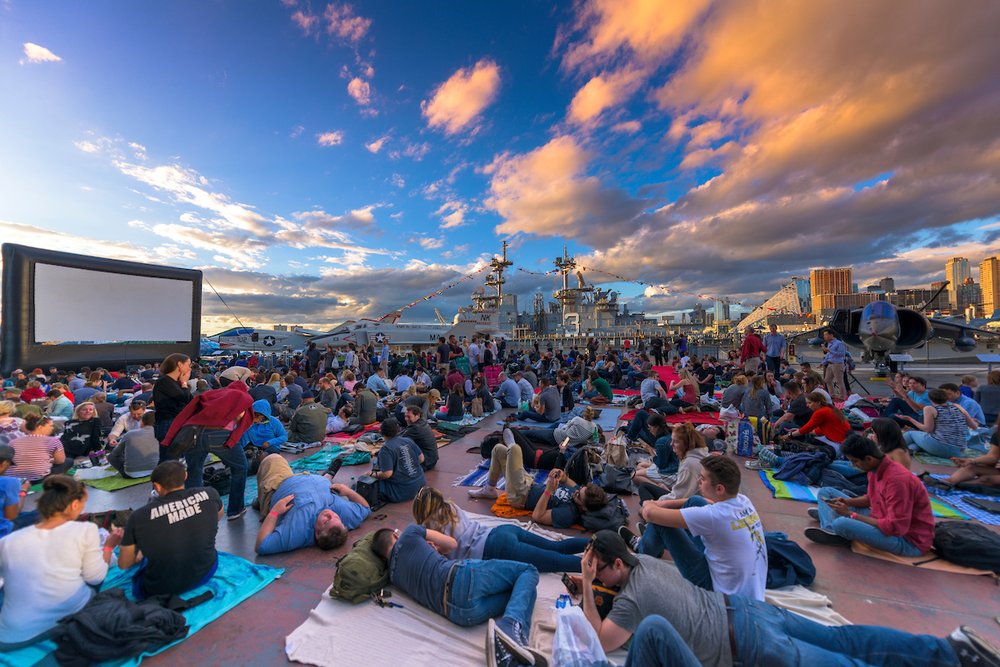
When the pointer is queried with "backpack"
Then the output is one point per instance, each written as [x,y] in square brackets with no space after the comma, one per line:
[618,479]
[787,563]
[360,572]
[968,544]
[219,477]
[578,467]
[610,517]
[476,407]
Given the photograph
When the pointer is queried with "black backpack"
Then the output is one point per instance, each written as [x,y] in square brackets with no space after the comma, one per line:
[578,467]
[612,516]
[968,544]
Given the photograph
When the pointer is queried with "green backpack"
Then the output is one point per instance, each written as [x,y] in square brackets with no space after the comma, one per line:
[360,572]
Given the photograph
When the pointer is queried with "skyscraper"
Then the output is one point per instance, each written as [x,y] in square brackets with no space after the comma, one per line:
[989,282]
[956,270]
[825,284]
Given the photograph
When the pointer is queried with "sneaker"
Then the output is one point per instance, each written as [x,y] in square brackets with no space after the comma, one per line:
[813,513]
[973,650]
[753,464]
[508,437]
[484,492]
[641,526]
[824,536]
[234,517]
[503,651]
[631,539]
[335,466]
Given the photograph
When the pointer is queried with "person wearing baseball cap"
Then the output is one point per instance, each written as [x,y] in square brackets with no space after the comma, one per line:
[686,625]
[12,494]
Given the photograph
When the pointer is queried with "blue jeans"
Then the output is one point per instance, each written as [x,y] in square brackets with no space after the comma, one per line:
[212,441]
[637,428]
[485,589]
[898,406]
[516,544]
[687,550]
[773,364]
[920,441]
[531,415]
[767,635]
[852,529]
[657,644]
[659,404]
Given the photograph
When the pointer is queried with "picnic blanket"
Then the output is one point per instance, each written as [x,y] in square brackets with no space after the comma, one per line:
[807,494]
[234,581]
[929,561]
[959,497]
[931,460]
[419,636]
[114,482]
[694,418]
[317,462]
[478,476]
[502,508]
[341,438]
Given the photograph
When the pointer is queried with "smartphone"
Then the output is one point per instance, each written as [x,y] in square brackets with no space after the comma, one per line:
[571,585]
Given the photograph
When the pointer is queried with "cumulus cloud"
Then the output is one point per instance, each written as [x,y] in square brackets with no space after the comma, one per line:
[452,214]
[548,192]
[35,53]
[456,105]
[397,181]
[376,145]
[415,151]
[342,22]
[603,92]
[331,138]
[360,90]
[307,22]
[627,127]
[362,217]
[429,243]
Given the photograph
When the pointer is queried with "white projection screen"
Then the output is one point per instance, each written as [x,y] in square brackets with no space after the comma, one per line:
[65,310]
[72,304]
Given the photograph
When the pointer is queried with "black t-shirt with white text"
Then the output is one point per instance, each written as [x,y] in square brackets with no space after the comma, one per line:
[176,535]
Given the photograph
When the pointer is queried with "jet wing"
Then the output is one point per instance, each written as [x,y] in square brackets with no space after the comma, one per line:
[948,330]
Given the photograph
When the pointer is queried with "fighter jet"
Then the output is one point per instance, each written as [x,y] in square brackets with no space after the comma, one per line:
[881,329]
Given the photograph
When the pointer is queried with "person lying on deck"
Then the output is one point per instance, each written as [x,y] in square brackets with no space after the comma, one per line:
[507,542]
[703,627]
[311,510]
[559,502]
[716,539]
[895,515]
[466,592]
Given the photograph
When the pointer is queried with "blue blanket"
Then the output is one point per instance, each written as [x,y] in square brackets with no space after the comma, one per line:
[235,580]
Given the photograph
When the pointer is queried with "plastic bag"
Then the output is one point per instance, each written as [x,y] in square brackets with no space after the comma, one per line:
[729,414]
[576,644]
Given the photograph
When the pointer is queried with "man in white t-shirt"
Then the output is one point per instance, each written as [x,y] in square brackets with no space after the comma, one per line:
[475,354]
[716,540]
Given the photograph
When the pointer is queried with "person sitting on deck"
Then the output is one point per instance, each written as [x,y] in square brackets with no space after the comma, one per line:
[828,423]
[895,515]
[910,397]
[419,431]
[596,387]
[983,469]
[654,396]
[138,450]
[466,592]
[547,406]
[559,502]
[173,536]
[699,627]
[397,465]
[944,429]
[508,393]
[266,431]
[716,539]
[311,509]
[679,477]
[308,424]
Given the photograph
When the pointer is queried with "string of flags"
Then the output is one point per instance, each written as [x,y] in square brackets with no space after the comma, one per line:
[438,292]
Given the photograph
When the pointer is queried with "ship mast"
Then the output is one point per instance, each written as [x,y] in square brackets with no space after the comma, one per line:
[495,280]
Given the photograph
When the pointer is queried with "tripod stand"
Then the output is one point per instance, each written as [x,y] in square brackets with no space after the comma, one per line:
[850,378]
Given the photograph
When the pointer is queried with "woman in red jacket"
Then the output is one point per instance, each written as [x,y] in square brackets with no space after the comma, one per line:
[827,423]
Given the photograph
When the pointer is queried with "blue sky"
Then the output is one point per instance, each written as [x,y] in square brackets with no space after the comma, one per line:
[327,160]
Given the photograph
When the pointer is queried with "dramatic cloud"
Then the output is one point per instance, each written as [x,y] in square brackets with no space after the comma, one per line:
[603,92]
[12,232]
[547,192]
[360,90]
[643,30]
[835,135]
[457,104]
[333,138]
[34,53]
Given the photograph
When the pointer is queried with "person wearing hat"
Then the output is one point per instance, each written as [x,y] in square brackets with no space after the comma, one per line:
[12,494]
[711,628]
[308,424]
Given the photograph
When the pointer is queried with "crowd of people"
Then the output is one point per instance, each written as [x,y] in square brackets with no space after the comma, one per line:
[707,607]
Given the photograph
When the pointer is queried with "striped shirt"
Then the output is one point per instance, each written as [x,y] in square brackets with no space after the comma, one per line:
[950,426]
[33,456]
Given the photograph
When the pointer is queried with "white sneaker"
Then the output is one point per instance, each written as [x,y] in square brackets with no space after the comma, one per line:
[484,492]
[508,437]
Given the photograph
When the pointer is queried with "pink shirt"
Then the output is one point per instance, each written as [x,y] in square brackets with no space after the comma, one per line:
[33,456]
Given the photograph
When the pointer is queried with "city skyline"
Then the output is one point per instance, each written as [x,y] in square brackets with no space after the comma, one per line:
[325,161]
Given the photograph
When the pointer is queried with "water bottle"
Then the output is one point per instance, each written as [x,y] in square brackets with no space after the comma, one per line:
[595,439]
[353,484]
[564,601]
